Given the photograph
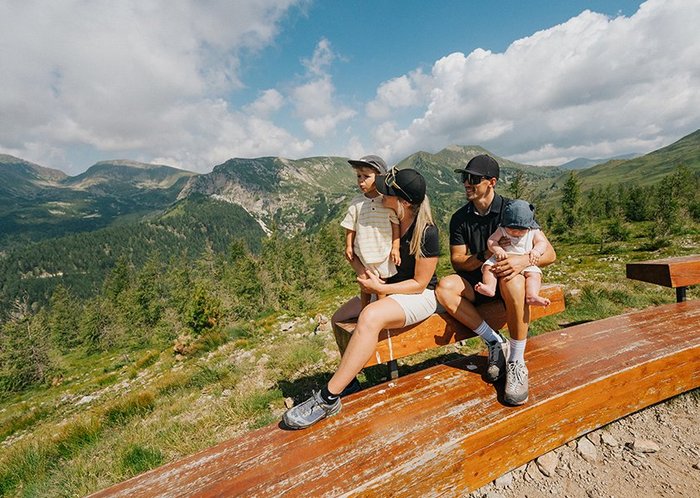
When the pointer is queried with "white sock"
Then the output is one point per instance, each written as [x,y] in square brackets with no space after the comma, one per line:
[517,350]
[487,333]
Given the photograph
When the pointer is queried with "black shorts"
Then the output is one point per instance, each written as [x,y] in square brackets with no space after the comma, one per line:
[474,277]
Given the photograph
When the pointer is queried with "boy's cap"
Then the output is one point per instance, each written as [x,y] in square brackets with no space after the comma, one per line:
[375,162]
[411,185]
[519,214]
[482,165]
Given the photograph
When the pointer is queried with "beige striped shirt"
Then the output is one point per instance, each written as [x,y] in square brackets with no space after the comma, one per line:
[371,223]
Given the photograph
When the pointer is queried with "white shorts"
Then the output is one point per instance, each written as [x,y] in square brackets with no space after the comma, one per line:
[416,307]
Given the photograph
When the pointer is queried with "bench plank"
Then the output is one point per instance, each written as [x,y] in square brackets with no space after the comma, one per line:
[441,329]
[443,429]
[670,272]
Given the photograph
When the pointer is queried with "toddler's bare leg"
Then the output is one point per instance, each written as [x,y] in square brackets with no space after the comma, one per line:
[533,284]
[487,286]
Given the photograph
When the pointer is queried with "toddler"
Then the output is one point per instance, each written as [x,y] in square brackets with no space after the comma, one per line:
[371,230]
[524,237]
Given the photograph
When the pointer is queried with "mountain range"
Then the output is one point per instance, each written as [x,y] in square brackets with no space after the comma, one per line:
[57,228]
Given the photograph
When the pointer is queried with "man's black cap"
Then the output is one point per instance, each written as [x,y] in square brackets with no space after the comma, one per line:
[482,165]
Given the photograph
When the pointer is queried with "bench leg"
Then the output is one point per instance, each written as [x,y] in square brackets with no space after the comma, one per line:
[680,294]
[392,370]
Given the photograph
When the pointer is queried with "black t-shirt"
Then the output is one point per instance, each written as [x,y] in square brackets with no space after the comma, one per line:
[469,228]
[431,249]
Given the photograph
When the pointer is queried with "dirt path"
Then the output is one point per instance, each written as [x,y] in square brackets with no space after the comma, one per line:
[654,452]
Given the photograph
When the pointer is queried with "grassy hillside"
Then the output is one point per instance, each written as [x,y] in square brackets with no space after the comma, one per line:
[644,170]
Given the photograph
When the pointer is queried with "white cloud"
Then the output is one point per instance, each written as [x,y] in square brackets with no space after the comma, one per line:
[269,101]
[132,77]
[315,101]
[590,86]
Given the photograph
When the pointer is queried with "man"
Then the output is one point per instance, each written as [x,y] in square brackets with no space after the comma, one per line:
[470,228]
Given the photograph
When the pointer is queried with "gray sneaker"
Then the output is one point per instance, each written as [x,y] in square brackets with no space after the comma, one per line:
[496,366]
[309,412]
[516,383]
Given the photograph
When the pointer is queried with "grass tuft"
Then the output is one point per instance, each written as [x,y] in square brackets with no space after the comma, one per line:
[137,459]
[122,410]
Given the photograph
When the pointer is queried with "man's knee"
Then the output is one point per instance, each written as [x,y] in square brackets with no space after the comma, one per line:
[513,289]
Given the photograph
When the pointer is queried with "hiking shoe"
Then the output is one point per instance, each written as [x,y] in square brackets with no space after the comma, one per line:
[496,366]
[351,388]
[516,383]
[309,412]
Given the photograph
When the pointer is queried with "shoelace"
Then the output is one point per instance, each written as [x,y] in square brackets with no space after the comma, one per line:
[517,372]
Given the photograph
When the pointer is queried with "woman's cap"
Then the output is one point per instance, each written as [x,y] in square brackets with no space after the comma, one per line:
[519,214]
[408,184]
[374,162]
[482,165]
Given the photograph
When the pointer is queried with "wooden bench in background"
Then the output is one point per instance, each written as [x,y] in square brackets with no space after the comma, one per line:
[443,430]
[678,273]
[441,329]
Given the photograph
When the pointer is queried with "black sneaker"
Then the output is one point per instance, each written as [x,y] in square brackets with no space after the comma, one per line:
[496,366]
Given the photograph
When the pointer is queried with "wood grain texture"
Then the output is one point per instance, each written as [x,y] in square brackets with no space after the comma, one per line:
[671,272]
[443,430]
[441,329]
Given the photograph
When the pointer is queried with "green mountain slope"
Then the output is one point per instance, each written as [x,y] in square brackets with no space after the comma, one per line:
[80,261]
[647,169]
[38,203]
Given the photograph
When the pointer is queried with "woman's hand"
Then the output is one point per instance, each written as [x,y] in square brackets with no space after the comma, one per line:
[370,283]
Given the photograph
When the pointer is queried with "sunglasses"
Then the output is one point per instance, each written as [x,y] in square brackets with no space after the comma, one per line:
[390,181]
[470,179]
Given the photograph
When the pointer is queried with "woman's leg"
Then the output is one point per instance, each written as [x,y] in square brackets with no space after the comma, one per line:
[379,315]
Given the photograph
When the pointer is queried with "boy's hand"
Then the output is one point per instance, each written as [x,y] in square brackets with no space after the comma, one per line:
[349,253]
[396,256]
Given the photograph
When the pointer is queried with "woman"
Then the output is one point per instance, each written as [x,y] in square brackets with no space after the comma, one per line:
[410,293]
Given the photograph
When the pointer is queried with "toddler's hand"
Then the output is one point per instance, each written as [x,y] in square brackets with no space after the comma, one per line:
[534,257]
[396,256]
[349,253]
[500,254]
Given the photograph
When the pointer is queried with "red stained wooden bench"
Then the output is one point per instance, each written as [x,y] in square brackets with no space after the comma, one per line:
[678,273]
[445,431]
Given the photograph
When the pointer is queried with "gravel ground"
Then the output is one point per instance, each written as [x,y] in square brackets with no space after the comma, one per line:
[654,452]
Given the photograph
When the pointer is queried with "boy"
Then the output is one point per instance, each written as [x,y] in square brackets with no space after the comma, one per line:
[371,230]
[525,237]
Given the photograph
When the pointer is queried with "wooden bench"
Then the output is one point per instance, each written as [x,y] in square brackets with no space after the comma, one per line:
[678,273]
[441,329]
[443,430]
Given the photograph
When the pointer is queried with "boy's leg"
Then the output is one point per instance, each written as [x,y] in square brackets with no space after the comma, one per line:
[533,284]
[487,286]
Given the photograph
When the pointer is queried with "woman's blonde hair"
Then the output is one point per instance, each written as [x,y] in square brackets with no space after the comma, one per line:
[424,218]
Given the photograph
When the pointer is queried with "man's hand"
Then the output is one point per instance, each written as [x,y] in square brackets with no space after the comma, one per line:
[511,266]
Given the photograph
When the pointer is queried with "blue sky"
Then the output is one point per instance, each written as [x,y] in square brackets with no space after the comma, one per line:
[192,84]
